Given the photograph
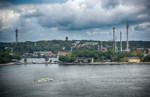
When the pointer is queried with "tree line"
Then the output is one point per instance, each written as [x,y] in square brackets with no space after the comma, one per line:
[102,56]
[61,45]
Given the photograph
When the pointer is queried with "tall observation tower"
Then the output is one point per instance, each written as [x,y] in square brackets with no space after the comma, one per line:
[127,28]
[16,35]
[114,41]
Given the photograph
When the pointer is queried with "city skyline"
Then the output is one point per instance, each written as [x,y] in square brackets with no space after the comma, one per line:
[78,19]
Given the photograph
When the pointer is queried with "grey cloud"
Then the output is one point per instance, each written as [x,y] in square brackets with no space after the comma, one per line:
[89,18]
[110,3]
[145,26]
[77,16]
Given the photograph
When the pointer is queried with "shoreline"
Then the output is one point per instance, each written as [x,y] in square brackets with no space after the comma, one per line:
[6,64]
[104,63]
[96,63]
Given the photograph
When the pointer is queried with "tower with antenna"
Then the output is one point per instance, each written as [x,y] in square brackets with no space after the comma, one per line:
[120,41]
[114,41]
[127,28]
[16,35]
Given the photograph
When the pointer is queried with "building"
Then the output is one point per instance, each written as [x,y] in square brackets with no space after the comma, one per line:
[84,60]
[63,53]
[44,53]
[76,43]
[139,50]
[27,55]
[104,49]
[81,45]
[132,59]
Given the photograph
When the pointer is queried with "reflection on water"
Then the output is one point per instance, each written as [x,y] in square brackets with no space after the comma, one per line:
[75,81]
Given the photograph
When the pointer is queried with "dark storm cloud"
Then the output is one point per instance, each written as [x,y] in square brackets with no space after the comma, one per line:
[31,1]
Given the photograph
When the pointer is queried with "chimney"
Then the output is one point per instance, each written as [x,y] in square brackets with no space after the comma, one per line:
[16,35]
[114,41]
[120,41]
[127,28]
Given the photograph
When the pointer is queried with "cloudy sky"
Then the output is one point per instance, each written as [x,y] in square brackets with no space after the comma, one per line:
[78,19]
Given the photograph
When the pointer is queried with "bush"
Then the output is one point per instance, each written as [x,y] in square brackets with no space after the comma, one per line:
[122,60]
[147,58]
[67,58]
[6,57]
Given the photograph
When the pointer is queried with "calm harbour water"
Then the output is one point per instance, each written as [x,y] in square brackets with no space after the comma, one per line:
[75,81]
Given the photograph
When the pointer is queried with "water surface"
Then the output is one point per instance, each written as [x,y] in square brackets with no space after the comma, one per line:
[75,81]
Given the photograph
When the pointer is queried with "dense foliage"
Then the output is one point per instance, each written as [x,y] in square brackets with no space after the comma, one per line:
[81,52]
[147,58]
[60,45]
[5,57]
[100,56]
[68,58]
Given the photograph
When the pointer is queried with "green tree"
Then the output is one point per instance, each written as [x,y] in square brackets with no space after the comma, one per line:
[122,60]
[147,58]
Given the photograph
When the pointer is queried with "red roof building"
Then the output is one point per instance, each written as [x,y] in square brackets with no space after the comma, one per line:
[63,53]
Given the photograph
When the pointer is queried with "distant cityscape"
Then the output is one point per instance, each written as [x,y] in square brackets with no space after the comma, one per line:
[89,51]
